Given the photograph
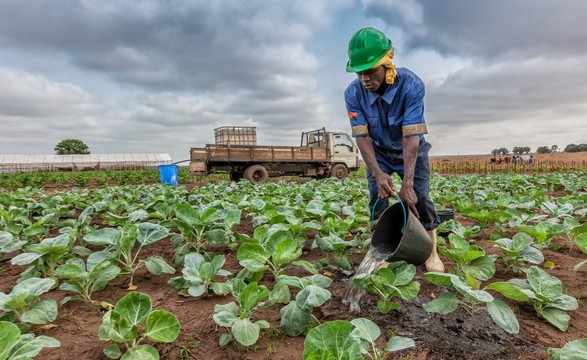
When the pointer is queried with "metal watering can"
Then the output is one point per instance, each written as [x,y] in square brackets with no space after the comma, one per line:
[401,236]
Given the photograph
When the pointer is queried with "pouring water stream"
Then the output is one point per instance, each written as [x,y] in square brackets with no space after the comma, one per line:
[372,261]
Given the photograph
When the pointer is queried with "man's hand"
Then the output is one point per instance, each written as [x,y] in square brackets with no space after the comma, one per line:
[385,185]
[408,195]
[410,146]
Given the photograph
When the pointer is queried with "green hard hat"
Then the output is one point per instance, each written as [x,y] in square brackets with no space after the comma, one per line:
[366,48]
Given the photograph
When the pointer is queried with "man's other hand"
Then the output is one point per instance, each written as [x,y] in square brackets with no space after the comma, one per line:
[385,186]
[408,195]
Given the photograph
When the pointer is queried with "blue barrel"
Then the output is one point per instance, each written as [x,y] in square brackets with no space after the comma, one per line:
[168,174]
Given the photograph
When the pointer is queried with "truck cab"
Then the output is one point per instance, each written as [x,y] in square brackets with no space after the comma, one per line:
[341,149]
[344,150]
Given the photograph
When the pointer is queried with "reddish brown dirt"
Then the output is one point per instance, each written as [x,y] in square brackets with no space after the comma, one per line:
[454,336]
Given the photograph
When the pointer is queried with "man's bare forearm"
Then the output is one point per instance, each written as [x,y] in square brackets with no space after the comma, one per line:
[410,150]
[368,154]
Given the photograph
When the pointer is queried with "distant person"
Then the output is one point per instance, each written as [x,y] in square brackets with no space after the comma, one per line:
[386,110]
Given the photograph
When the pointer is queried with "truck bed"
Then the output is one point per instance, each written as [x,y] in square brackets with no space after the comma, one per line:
[245,153]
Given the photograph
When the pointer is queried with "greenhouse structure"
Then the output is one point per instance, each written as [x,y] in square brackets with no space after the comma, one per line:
[32,163]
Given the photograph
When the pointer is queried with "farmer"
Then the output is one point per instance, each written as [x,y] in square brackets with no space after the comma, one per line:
[386,110]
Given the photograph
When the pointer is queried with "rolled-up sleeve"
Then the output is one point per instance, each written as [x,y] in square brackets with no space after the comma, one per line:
[357,118]
[414,123]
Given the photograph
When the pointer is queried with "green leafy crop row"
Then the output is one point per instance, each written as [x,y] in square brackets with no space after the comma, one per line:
[82,239]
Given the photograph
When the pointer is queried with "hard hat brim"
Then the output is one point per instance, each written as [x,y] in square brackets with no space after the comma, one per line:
[350,68]
[367,66]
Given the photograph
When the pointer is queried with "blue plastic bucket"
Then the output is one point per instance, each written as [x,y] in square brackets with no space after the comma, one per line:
[168,174]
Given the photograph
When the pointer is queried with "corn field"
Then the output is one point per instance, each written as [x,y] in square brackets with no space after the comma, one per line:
[484,167]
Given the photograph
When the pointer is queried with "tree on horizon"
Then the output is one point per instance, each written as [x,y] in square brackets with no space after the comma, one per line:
[543,150]
[71,147]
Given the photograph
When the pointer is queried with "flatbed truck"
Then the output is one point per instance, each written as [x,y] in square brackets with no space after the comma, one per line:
[321,154]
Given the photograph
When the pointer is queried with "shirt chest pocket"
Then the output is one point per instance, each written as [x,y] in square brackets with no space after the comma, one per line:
[395,126]
[390,127]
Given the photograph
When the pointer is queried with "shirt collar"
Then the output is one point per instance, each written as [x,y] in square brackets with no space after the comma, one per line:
[388,95]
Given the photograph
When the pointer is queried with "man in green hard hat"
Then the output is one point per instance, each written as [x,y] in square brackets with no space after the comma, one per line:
[385,105]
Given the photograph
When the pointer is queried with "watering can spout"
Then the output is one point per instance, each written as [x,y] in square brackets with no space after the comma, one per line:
[401,236]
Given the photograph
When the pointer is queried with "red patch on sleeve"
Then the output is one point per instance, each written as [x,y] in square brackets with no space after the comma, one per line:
[352,115]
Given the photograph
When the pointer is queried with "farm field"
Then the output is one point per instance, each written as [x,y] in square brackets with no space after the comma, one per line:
[289,250]
[556,157]
[541,163]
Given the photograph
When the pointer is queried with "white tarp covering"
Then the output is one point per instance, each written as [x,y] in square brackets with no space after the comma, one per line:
[25,163]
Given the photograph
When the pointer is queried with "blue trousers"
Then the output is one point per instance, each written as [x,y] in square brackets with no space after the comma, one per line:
[393,162]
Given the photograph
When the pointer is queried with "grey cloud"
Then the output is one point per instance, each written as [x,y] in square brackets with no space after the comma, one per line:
[25,95]
[514,105]
[170,46]
[488,29]
[157,122]
[514,91]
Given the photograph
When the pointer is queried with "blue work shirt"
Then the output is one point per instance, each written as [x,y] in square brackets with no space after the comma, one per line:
[386,119]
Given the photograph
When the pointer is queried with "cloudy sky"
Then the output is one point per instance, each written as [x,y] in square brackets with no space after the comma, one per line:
[146,76]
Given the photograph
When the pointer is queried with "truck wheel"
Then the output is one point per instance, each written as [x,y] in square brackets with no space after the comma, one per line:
[340,171]
[256,174]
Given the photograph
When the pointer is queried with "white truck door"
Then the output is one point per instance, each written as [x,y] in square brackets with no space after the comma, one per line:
[344,150]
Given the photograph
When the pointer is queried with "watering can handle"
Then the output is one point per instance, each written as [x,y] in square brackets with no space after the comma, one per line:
[403,208]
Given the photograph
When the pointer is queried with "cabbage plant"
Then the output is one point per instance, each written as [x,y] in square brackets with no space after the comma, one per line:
[581,241]
[84,279]
[544,292]
[393,281]
[24,305]
[474,300]
[123,325]
[199,276]
[268,250]
[236,315]
[82,224]
[453,226]
[296,316]
[576,349]
[9,243]
[17,346]
[119,246]
[196,227]
[335,246]
[14,217]
[543,232]
[557,210]
[45,256]
[290,220]
[353,340]
[518,252]
[470,260]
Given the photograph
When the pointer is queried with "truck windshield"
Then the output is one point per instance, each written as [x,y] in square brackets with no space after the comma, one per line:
[343,141]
